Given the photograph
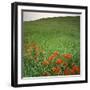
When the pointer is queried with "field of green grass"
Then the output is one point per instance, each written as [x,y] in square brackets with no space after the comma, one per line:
[51,47]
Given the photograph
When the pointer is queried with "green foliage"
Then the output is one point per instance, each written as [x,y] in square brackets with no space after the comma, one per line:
[52,34]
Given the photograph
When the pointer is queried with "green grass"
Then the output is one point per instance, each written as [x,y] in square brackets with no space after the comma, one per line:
[60,34]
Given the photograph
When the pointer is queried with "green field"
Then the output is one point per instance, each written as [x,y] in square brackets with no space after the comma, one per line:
[51,47]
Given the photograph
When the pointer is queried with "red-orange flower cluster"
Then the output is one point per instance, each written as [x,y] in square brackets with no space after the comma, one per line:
[72,71]
[53,55]
[65,64]
[67,56]
[56,70]
[59,65]
[59,61]
[67,71]
[76,68]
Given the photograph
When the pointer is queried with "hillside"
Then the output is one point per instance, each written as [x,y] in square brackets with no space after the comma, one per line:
[60,34]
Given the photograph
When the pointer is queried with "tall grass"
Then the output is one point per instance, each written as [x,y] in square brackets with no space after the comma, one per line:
[41,38]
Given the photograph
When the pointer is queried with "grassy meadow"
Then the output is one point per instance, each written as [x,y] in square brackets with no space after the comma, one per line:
[51,47]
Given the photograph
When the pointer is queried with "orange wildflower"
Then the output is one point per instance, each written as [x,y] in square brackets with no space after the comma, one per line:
[59,61]
[72,72]
[56,70]
[67,56]
[67,71]
[45,62]
[76,68]
[53,55]
[65,64]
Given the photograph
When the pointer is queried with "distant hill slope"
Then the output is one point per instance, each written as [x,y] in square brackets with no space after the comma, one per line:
[66,25]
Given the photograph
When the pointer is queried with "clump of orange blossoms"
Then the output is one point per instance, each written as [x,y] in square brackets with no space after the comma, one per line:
[72,71]
[65,64]
[56,53]
[56,70]
[76,68]
[67,71]
[59,61]
[68,56]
